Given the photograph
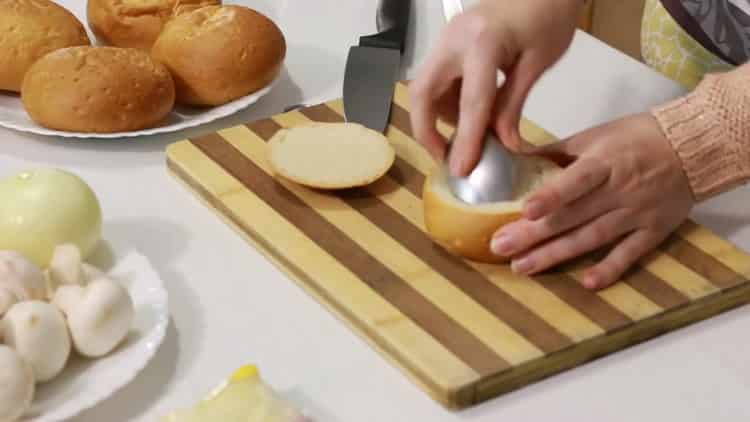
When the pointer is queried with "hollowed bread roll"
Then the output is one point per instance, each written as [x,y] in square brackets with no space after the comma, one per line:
[135,23]
[98,89]
[220,53]
[29,29]
[465,229]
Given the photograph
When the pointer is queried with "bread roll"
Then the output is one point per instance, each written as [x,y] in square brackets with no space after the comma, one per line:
[330,155]
[220,53]
[465,229]
[29,29]
[98,89]
[135,23]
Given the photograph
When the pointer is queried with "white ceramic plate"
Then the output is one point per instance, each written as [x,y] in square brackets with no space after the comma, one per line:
[84,383]
[13,115]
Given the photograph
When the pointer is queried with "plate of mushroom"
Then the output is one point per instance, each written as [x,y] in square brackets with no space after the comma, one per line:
[72,334]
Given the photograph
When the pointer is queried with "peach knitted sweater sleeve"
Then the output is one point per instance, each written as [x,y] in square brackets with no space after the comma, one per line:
[709,130]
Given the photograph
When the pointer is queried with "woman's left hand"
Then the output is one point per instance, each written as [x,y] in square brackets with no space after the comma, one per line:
[625,186]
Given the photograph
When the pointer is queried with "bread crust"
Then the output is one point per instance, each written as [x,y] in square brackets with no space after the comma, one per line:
[252,52]
[30,29]
[466,230]
[135,23]
[98,89]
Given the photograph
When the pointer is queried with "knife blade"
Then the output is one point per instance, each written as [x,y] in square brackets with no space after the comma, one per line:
[372,67]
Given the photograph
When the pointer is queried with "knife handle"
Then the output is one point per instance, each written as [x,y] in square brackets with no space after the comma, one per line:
[393,23]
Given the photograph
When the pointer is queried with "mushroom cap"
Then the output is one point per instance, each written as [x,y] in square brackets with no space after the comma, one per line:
[21,276]
[99,315]
[16,385]
[37,331]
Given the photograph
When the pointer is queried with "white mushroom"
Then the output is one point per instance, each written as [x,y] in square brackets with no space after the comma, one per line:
[37,331]
[7,299]
[16,385]
[65,266]
[20,280]
[99,315]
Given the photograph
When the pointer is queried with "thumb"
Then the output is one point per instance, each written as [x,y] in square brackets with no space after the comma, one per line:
[511,99]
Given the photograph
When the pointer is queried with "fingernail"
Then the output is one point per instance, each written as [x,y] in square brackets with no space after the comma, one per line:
[522,266]
[591,281]
[502,244]
[534,209]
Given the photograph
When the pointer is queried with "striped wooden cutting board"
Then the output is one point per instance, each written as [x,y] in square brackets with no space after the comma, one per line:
[464,332]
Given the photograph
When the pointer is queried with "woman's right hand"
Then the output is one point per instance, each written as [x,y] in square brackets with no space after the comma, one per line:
[458,80]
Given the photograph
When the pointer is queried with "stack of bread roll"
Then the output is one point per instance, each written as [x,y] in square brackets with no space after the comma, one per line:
[152,55]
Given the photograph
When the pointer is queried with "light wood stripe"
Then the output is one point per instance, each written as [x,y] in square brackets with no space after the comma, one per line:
[326,278]
[679,276]
[566,319]
[368,269]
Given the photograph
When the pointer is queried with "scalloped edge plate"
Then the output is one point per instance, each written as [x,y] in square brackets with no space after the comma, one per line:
[13,116]
[85,383]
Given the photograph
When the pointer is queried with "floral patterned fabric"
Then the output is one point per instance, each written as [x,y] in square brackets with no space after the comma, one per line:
[685,39]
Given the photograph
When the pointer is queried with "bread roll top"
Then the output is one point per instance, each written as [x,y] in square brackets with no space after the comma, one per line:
[135,23]
[29,29]
[220,53]
[98,89]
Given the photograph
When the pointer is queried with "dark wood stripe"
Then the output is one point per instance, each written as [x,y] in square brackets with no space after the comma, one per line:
[401,120]
[372,272]
[702,263]
[470,281]
[265,128]
[585,301]
[321,113]
[652,287]
[401,171]
[655,289]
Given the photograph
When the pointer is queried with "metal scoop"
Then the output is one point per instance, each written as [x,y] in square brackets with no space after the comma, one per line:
[493,178]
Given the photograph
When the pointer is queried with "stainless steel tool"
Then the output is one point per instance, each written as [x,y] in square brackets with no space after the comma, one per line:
[495,175]
[493,178]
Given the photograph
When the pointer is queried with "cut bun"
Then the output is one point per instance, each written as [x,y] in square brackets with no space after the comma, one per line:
[28,31]
[466,229]
[135,23]
[331,155]
[98,89]
[220,53]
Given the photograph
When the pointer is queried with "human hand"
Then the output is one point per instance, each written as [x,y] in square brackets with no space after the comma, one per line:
[625,186]
[458,81]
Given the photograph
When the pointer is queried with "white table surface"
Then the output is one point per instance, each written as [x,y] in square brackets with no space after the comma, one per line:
[231,306]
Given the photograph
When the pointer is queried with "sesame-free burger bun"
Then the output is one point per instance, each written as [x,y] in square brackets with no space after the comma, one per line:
[220,53]
[465,229]
[135,23]
[98,89]
[29,30]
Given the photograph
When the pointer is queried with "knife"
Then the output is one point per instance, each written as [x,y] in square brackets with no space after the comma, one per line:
[372,67]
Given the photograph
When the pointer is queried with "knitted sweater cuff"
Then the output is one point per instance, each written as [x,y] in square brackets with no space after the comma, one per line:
[708,130]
